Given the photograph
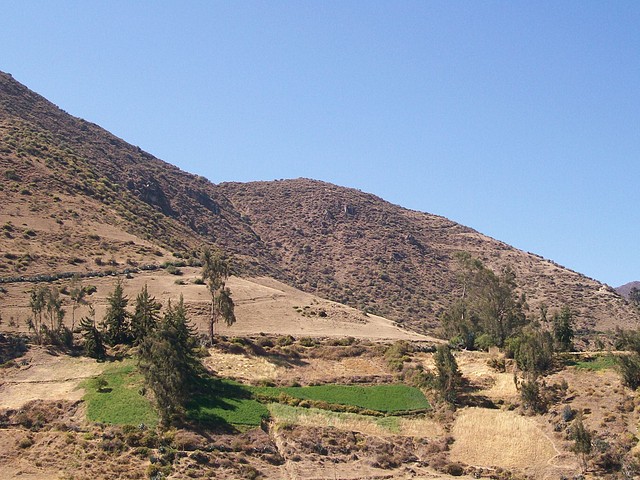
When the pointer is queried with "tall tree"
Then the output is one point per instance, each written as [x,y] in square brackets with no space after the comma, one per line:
[54,311]
[216,269]
[582,438]
[77,293]
[116,319]
[449,378]
[93,340]
[168,363]
[145,316]
[488,303]
[37,302]
[563,329]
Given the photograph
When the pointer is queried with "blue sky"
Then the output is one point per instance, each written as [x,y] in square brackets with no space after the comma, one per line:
[519,119]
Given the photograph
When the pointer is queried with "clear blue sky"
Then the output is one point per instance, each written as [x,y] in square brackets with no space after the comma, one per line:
[520,119]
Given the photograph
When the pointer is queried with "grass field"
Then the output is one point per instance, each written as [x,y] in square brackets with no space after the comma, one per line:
[601,362]
[381,398]
[119,401]
[224,401]
[221,401]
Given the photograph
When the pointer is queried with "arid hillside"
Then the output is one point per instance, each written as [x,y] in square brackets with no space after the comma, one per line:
[625,289]
[356,248]
[75,198]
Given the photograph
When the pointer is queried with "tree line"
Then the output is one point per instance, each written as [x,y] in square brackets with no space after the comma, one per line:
[165,343]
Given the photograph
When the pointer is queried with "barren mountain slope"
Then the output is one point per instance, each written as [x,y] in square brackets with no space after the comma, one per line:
[356,248]
[625,289]
[76,198]
[51,161]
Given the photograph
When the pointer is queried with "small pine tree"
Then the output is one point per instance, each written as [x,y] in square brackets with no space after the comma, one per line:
[449,379]
[145,316]
[93,342]
[116,319]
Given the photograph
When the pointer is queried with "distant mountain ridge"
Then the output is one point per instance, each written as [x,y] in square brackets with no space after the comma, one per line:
[625,289]
[76,197]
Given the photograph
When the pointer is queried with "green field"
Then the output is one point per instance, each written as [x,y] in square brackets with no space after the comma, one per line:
[221,401]
[381,398]
[119,402]
[601,362]
[224,401]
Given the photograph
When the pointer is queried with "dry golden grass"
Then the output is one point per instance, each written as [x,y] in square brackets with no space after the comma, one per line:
[379,426]
[500,438]
[240,367]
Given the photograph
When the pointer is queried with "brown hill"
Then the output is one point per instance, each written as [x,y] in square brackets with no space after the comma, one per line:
[625,289]
[76,198]
[356,248]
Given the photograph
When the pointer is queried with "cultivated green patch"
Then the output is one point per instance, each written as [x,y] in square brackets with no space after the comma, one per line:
[380,398]
[601,362]
[224,401]
[114,397]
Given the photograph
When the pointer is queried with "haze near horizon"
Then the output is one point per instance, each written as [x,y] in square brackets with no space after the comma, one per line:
[519,120]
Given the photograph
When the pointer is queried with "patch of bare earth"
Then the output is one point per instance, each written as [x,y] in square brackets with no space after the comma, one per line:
[42,375]
[262,305]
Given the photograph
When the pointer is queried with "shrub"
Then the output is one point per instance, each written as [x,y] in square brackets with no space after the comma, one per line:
[25,442]
[484,342]
[629,366]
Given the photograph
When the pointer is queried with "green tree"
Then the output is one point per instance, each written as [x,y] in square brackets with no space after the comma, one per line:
[629,363]
[488,304]
[47,315]
[216,269]
[582,441]
[168,363]
[145,316]
[533,352]
[77,293]
[37,303]
[116,319]
[563,329]
[53,308]
[93,341]
[448,379]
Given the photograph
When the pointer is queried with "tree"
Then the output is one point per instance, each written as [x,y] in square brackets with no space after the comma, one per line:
[145,316]
[54,311]
[448,379]
[488,304]
[629,363]
[93,342]
[582,439]
[168,363]
[47,315]
[77,293]
[215,271]
[533,352]
[116,319]
[563,329]
[37,302]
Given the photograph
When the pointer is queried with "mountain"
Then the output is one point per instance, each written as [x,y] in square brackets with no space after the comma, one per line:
[75,198]
[625,289]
